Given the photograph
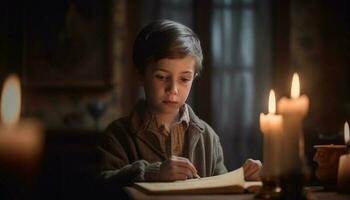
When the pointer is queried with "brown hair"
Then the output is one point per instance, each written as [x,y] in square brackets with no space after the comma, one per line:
[165,39]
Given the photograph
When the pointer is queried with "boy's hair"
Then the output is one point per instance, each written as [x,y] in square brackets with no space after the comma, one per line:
[166,39]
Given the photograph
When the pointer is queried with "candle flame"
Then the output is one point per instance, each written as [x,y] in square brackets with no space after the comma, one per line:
[272,102]
[11,100]
[346,132]
[295,90]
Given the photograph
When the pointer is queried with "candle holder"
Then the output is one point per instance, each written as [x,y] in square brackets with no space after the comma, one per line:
[270,190]
[294,176]
[292,185]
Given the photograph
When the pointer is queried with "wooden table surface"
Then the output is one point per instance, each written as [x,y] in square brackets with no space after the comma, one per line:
[136,194]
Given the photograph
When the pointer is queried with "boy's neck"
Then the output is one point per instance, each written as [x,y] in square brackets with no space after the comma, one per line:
[168,120]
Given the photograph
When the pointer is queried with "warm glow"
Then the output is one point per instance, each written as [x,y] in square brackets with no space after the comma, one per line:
[11,100]
[295,91]
[272,102]
[346,133]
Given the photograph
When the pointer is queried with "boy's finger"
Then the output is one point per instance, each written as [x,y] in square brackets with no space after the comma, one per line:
[182,159]
[179,172]
[185,171]
[185,163]
[252,168]
[247,166]
[252,174]
[179,158]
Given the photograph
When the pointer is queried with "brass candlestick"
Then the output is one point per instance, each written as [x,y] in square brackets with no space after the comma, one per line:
[293,179]
[270,190]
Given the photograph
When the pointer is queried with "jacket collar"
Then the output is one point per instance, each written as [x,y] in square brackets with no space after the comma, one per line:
[140,118]
[195,122]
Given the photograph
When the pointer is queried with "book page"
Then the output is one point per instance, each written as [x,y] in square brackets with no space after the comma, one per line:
[252,186]
[222,183]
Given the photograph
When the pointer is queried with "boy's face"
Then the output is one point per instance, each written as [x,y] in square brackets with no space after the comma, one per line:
[167,83]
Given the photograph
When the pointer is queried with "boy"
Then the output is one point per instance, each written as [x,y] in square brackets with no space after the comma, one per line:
[163,139]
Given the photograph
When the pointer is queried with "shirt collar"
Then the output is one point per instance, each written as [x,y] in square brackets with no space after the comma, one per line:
[142,118]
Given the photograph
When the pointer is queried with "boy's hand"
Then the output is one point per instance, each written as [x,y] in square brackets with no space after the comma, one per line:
[252,169]
[176,168]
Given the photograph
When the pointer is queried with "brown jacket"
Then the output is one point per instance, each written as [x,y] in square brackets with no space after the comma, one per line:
[127,155]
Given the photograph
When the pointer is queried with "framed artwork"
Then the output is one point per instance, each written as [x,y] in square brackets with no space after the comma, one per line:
[66,44]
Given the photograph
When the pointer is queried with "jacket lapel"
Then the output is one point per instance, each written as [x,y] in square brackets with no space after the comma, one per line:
[145,138]
[193,138]
[195,130]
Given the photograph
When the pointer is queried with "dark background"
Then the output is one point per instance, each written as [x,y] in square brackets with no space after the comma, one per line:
[74,59]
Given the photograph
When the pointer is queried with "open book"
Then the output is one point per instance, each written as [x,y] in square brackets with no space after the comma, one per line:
[232,182]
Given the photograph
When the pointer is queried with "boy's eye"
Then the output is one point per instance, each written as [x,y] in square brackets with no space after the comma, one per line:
[185,79]
[161,77]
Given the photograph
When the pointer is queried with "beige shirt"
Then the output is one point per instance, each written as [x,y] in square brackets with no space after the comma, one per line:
[170,141]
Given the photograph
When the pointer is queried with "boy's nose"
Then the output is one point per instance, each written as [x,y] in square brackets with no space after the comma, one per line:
[172,88]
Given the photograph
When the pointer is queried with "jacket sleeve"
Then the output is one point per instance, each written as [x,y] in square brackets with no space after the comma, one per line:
[114,166]
[218,157]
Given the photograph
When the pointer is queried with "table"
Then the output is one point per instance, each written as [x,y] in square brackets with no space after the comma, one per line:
[136,194]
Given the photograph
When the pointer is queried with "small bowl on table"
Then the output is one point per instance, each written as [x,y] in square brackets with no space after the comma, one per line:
[327,158]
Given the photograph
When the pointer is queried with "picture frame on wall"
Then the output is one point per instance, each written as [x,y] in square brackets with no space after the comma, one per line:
[66,44]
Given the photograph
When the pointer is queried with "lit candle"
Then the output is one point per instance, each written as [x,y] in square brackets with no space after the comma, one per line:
[293,111]
[346,135]
[20,140]
[344,164]
[271,126]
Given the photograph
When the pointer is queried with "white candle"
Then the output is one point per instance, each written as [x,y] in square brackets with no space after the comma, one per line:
[346,134]
[20,140]
[344,164]
[271,126]
[293,111]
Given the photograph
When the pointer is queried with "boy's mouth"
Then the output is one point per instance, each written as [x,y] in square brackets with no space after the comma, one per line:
[169,102]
